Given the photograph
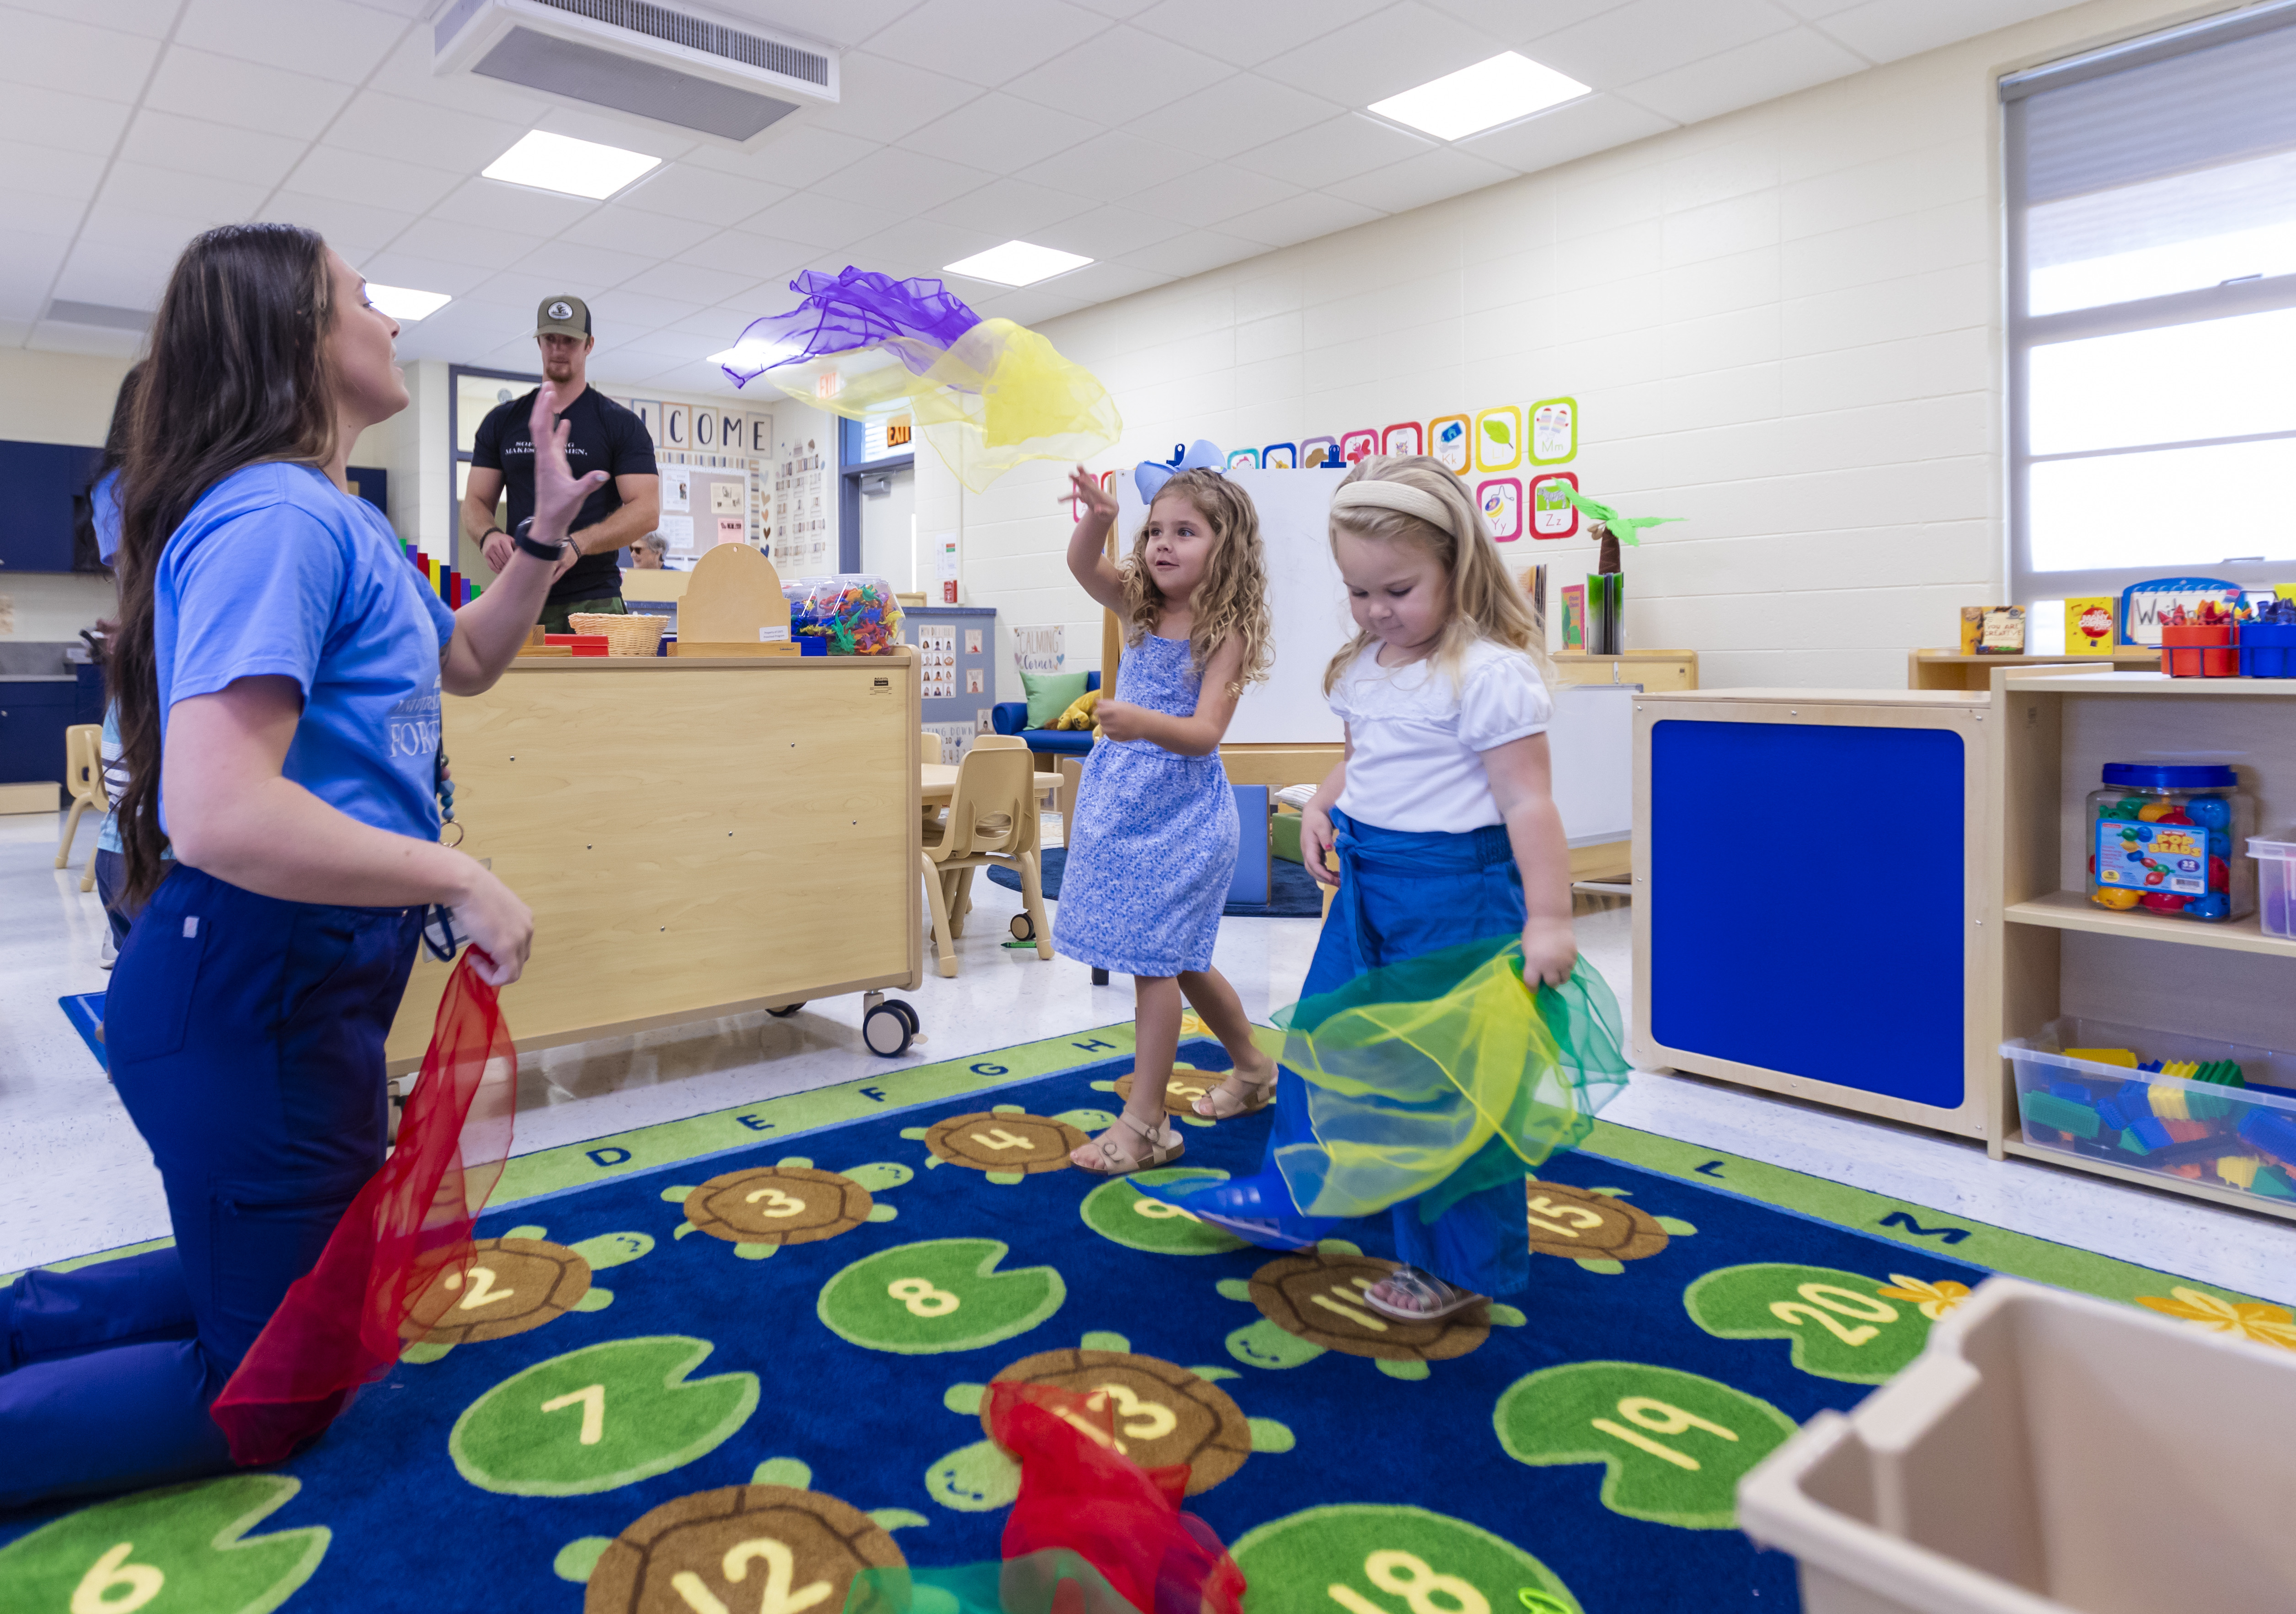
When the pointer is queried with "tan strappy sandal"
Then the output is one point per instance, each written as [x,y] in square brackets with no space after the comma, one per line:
[1241,1099]
[1116,1163]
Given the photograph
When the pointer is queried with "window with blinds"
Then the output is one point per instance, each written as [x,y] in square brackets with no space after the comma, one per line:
[2152,318]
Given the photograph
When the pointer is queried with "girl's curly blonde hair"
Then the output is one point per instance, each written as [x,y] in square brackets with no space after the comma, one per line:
[1487,603]
[1233,597]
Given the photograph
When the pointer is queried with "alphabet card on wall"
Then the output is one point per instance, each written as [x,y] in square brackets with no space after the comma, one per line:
[1318,450]
[1552,515]
[1243,459]
[1553,430]
[1356,445]
[1279,456]
[1501,499]
[1407,437]
[1498,438]
[676,427]
[1447,434]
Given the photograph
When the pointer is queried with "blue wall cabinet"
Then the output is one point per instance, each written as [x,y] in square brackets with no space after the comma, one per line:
[1809,896]
[33,713]
[38,481]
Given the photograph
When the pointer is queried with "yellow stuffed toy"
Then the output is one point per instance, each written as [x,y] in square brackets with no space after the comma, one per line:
[1079,715]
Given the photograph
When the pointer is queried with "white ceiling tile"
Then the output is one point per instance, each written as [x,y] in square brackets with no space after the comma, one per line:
[415,131]
[999,132]
[1234,115]
[881,99]
[88,339]
[1093,79]
[1593,123]
[489,204]
[817,221]
[1387,53]
[14,332]
[150,18]
[1246,35]
[401,8]
[920,245]
[691,283]
[1648,36]
[330,171]
[65,53]
[1884,30]
[758,256]
[1108,232]
[843,24]
[1194,253]
[900,183]
[134,234]
[1032,306]
[197,84]
[1101,282]
[654,234]
[1761,72]
[459,243]
[1212,193]
[1814,9]
[162,140]
[584,270]
[318,38]
[1416,181]
[1347,145]
[201,198]
[392,267]
[353,228]
[32,214]
[957,37]
[28,264]
[36,115]
[1302,217]
[797,159]
[51,170]
[1011,210]
[125,276]
[1512,22]
[626,310]
[727,321]
[1111,166]
[681,190]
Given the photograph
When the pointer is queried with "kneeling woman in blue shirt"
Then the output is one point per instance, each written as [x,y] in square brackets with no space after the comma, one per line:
[279,668]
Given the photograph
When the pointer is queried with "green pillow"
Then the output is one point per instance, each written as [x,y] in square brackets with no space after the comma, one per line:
[1050,694]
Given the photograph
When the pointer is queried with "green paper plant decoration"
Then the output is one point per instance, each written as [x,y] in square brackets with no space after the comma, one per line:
[1610,527]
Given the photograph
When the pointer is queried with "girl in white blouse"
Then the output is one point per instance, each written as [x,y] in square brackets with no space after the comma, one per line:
[1443,822]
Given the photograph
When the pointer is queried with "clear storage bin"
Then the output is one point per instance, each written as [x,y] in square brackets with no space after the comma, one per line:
[2275,881]
[2047,1453]
[2238,1135]
[852,614]
[2160,837]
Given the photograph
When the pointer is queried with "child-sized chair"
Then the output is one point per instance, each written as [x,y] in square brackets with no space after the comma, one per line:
[84,778]
[992,818]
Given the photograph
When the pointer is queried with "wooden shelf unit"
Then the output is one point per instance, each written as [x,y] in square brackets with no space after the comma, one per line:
[1950,669]
[2052,732]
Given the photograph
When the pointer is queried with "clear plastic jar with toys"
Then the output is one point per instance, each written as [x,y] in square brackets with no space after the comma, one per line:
[854,614]
[2160,837]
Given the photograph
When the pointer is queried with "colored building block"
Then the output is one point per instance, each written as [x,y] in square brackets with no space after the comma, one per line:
[2063,1114]
[2272,1184]
[2272,1132]
[2145,1135]
[2124,1057]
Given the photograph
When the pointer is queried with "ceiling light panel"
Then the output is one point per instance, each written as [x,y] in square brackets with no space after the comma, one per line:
[570,166]
[404,303]
[1016,263]
[1497,90]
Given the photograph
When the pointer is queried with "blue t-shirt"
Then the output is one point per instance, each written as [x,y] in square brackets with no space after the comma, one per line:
[277,572]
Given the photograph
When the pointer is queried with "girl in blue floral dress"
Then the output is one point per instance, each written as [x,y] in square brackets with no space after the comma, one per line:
[1153,841]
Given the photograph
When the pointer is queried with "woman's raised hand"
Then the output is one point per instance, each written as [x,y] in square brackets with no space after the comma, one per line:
[1087,491]
[558,494]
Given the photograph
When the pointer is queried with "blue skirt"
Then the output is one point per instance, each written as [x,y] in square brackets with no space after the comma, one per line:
[1402,894]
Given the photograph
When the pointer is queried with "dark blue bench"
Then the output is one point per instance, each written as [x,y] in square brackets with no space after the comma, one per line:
[1011,718]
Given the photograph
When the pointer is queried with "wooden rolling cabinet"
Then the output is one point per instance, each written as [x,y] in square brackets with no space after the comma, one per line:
[2052,732]
[1656,670]
[1950,669]
[697,837]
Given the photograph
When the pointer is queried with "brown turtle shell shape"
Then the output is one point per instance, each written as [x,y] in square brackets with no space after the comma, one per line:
[829,1541]
[778,1205]
[990,1141]
[1318,1296]
[1164,1414]
[511,1286]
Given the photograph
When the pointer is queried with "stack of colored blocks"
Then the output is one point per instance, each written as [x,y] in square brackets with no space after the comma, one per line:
[444,581]
[2176,1125]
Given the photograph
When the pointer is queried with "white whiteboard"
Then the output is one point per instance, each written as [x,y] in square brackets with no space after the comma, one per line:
[1592,739]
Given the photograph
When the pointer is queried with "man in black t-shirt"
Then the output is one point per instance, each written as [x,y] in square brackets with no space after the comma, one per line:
[605,437]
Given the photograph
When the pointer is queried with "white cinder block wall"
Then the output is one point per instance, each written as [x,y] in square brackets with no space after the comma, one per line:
[1783,325]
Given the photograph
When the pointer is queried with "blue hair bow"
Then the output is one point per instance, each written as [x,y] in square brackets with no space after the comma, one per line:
[1150,475]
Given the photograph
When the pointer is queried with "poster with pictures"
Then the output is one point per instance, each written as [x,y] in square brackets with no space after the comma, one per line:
[676,487]
[1447,435]
[972,680]
[1318,451]
[1040,650]
[1243,459]
[1501,499]
[1498,438]
[1405,438]
[936,661]
[1553,430]
[1552,515]
[955,739]
[971,641]
[801,541]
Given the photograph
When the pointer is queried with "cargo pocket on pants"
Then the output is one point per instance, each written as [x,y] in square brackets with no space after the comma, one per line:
[149,1006]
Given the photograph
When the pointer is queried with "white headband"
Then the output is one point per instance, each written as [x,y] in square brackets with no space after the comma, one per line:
[1399,497]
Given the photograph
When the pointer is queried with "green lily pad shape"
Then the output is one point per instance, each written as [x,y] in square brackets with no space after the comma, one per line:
[1120,1212]
[1843,1325]
[939,1295]
[598,1418]
[186,1547]
[1361,1556]
[1675,1444]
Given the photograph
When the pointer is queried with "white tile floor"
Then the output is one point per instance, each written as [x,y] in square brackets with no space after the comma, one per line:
[75,1177]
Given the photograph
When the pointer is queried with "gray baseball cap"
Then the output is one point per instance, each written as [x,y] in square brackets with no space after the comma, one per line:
[562,317]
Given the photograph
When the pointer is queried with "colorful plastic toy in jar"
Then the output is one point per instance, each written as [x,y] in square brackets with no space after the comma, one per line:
[856,612]
[2160,836]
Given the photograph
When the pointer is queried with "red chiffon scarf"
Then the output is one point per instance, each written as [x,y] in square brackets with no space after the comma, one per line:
[339,1326]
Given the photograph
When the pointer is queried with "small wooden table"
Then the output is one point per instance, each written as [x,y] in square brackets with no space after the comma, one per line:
[937,783]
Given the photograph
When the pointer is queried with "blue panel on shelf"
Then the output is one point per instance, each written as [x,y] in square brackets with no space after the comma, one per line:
[1796,928]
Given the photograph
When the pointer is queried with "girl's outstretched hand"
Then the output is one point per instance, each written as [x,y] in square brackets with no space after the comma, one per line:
[1120,721]
[1085,488]
[1316,836]
[1550,948]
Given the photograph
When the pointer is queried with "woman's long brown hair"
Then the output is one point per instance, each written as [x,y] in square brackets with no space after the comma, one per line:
[237,376]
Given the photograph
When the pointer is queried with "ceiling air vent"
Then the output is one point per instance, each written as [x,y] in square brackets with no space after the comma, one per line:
[676,67]
[110,316]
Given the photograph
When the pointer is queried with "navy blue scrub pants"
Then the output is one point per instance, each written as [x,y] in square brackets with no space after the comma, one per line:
[245,1037]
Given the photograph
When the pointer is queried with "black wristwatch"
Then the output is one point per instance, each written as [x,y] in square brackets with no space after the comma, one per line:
[540,551]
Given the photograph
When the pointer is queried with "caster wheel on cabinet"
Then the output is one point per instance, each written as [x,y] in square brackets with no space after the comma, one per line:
[784,1012]
[1024,928]
[888,1029]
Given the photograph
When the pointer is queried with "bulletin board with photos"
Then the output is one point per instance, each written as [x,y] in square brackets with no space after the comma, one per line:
[715,464]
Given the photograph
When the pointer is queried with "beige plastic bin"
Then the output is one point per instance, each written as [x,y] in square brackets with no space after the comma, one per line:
[2047,1451]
